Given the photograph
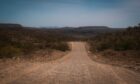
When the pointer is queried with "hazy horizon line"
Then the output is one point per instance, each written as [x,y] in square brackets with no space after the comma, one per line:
[59,26]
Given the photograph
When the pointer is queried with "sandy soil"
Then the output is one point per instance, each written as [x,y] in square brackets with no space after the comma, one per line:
[74,68]
[129,61]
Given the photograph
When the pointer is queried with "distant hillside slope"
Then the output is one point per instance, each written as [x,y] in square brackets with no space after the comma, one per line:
[72,33]
[85,31]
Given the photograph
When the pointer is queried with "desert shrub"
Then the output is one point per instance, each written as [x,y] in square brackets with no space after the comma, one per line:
[118,41]
[24,40]
[9,51]
[63,46]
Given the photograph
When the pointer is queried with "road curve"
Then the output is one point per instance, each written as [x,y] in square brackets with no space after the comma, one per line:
[75,68]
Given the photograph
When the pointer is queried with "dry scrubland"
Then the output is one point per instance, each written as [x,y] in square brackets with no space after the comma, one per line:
[27,56]
[120,48]
[23,48]
[18,41]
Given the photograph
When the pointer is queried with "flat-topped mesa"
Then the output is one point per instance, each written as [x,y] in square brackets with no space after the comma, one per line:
[95,27]
[10,25]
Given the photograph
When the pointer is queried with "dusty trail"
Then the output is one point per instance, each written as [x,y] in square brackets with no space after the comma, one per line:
[74,68]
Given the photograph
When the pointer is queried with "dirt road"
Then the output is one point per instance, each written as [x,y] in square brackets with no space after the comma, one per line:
[74,68]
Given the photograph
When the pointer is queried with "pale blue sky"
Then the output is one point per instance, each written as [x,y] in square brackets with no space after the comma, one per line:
[46,13]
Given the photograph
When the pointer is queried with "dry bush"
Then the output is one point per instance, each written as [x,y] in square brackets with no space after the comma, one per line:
[21,40]
[119,41]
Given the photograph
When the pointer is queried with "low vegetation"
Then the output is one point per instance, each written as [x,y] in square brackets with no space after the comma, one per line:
[119,47]
[18,40]
[119,41]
